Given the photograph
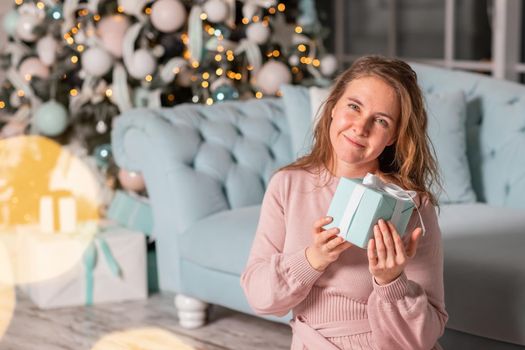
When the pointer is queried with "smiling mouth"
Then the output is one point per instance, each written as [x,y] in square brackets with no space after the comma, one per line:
[353,142]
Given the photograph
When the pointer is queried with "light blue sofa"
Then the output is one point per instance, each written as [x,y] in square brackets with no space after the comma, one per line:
[206,169]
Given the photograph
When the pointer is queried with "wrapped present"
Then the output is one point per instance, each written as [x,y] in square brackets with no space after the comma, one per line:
[58,212]
[112,268]
[131,211]
[358,205]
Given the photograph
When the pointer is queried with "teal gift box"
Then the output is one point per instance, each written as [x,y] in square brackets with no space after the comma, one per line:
[358,205]
[131,211]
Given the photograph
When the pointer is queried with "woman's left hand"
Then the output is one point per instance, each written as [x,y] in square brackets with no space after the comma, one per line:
[387,255]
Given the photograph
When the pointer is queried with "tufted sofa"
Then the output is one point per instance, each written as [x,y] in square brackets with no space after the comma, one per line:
[206,169]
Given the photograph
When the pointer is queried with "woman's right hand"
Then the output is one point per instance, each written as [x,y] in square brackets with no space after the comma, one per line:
[327,245]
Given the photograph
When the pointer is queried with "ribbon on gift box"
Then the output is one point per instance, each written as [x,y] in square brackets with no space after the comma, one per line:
[90,262]
[58,212]
[374,182]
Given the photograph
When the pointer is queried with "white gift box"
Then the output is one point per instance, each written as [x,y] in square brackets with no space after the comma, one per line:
[83,285]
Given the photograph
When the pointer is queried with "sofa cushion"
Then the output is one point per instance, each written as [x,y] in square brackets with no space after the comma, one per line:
[484,270]
[446,128]
[447,119]
[298,113]
[222,241]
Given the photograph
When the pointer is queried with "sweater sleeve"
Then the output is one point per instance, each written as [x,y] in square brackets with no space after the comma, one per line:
[275,282]
[409,312]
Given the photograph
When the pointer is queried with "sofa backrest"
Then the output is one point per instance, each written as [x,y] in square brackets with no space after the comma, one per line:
[495,131]
[231,150]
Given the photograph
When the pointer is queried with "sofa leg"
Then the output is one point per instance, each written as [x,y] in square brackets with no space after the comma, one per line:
[191,312]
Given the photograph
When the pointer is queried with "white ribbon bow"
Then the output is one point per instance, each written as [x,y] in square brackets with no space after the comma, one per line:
[373,181]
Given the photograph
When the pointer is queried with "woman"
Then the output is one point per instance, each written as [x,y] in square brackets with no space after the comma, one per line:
[344,297]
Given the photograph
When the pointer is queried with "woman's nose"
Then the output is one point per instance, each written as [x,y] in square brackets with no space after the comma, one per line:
[360,126]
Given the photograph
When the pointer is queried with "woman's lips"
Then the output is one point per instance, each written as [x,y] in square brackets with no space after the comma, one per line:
[353,142]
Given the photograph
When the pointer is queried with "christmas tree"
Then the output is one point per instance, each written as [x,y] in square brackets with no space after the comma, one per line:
[73,65]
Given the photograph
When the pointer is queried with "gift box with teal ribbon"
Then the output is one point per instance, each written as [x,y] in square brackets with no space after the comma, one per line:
[131,211]
[112,269]
[358,205]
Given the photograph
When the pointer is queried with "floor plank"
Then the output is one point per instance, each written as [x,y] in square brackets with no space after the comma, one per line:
[80,328]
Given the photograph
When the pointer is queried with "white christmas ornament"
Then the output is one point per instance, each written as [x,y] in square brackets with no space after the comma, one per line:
[33,67]
[216,10]
[46,49]
[168,15]
[51,118]
[96,61]
[328,65]
[272,75]
[25,28]
[258,32]
[293,60]
[111,31]
[143,64]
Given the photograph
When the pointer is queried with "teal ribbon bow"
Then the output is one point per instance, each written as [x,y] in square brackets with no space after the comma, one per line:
[90,262]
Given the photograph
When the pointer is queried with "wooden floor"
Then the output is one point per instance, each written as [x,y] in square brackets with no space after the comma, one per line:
[80,328]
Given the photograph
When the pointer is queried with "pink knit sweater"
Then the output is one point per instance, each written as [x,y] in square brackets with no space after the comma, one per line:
[343,303]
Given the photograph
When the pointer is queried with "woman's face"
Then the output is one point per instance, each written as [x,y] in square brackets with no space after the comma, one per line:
[364,122]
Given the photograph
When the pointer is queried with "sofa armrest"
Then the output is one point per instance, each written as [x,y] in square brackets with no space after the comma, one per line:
[199,160]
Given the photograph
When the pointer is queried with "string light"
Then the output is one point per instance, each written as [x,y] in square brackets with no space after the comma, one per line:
[219,71]
[19,2]
[205,84]
[238,76]
[70,41]
[245,20]
[295,70]
[298,29]
[74,30]
[203,16]
[271,10]
[301,48]
[258,94]
[255,18]
[230,58]
[316,62]
[276,53]
[184,38]
[209,101]
[205,75]
[211,31]
[220,48]
[148,10]
[74,59]
[249,67]
[281,7]
[80,48]
[96,18]
[27,77]
[149,78]
[40,5]
[73,92]
[21,93]
[171,97]
[218,57]
[109,92]
[2,104]
[120,9]
[195,64]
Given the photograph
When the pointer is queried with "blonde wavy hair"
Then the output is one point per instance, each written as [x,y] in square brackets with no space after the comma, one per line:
[410,161]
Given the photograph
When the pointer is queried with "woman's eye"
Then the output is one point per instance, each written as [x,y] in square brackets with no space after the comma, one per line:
[382,121]
[354,106]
